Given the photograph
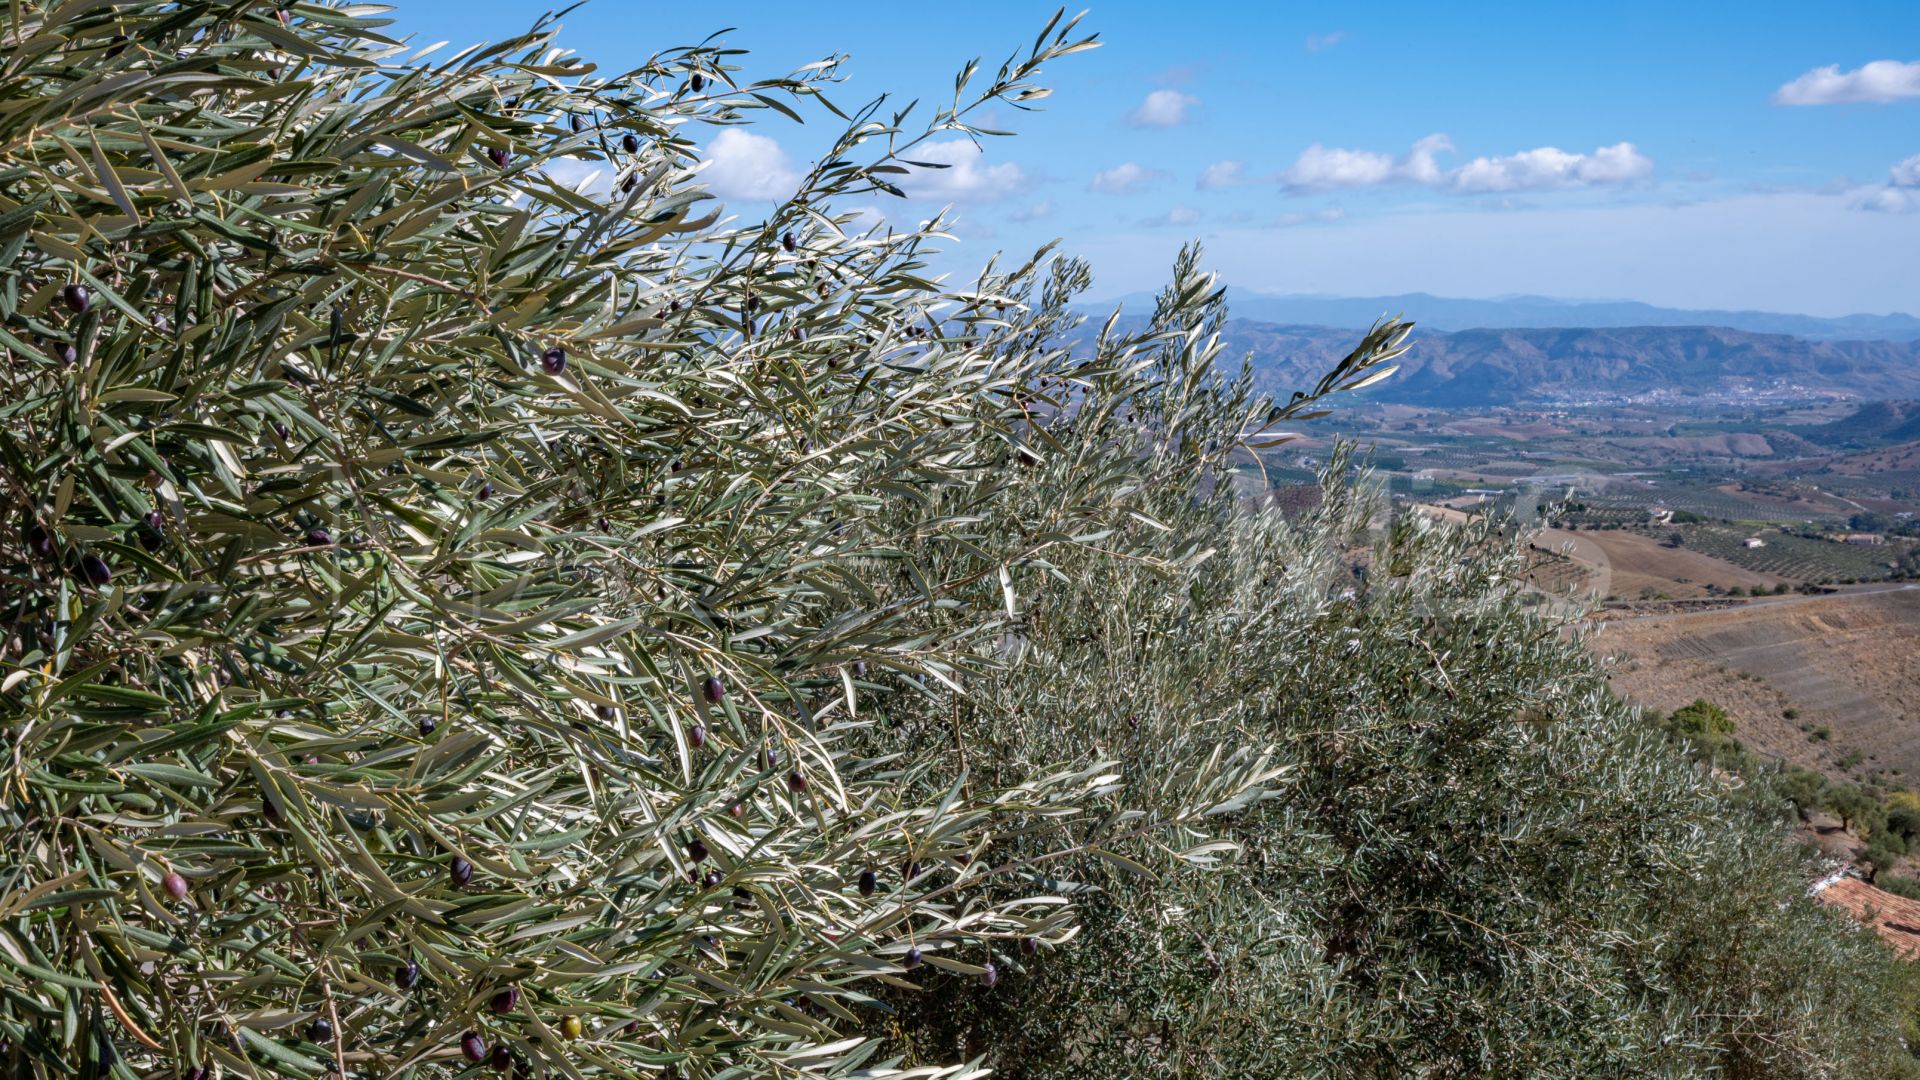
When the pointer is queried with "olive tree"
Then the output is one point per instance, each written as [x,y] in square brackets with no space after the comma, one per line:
[443,601]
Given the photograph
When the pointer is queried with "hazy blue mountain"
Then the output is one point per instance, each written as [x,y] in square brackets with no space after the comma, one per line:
[1442,313]
[1548,365]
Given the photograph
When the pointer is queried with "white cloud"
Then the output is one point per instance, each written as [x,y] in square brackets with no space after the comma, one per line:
[1323,42]
[1123,178]
[1549,167]
[742,165]
[1163,108]
[1038,211]
[585,177]
[1907,173]
[1179,215]
[1320,168]
[966,178]
[1880,81]
[1222,174]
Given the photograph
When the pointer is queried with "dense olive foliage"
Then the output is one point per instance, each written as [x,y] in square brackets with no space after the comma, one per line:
[458,617]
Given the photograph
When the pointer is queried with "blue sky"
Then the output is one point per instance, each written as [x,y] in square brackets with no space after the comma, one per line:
[1763,155]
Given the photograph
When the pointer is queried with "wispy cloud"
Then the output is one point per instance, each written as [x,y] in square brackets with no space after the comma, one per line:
[1222,175]
[1879,82]
[1322,168]
[1124,178]
[1037,212]
[1162,109]
[1899,195]
[1323,42]
[1318,217]
[1179,215]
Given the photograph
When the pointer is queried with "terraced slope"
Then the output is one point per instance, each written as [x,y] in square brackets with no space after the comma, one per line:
[1846,664]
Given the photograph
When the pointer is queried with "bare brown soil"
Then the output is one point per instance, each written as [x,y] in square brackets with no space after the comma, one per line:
[1628,565]
[1848,664]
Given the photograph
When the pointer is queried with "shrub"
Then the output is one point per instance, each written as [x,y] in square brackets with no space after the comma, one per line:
[1702,717]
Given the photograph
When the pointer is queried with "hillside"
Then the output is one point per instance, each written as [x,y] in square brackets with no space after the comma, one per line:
[1873,424]
[1476,368]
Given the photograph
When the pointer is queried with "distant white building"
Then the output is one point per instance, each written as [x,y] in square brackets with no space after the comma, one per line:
[1659,515]
[1755,542]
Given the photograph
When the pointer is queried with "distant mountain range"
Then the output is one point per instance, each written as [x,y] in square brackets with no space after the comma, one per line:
[1474,368]
[1442,313]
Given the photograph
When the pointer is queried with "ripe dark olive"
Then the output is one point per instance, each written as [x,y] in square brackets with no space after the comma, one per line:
[175,885]
[39,541]
[268,809]
[472,1048]
[737,810]
[317,537]
[427,724]
[155,520]
[77,297]
[66,353]
[320,1030]
[712,880]
[699,84]
[485,492]
[200,1072]
[630,144]
[911,870]
[713,690]
[859,669]
[605,712]
[697,850]
[406,975]
[965,858]
[554,360]
[633,1026]
[95,570]
[576,123]
[505,1001]
[1029,946]
[571,1027]
[753,304]
[990,976]
[462,871]
[789,243]
[796,781]
[280,429]
[627,185]
[696,736]
[498,156]
[501,1058]
[912,959]
[869,881]
[769,757]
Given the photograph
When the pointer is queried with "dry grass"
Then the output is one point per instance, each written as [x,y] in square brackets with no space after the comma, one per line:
[1849,664]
